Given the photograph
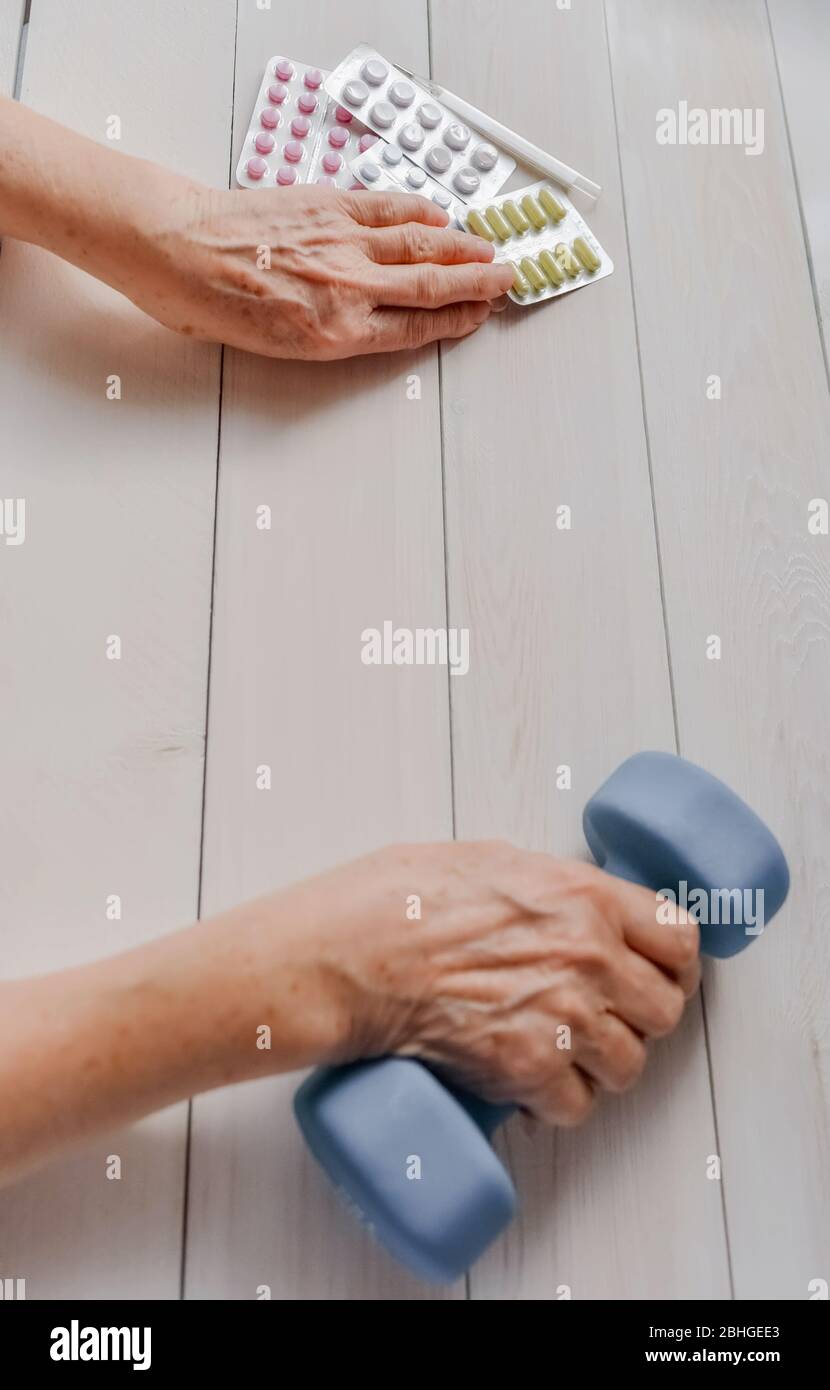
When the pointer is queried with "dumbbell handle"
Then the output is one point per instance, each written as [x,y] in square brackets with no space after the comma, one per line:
[487,1115]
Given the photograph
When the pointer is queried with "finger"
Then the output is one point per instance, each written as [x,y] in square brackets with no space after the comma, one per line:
[433,286]
[613,1055]
[662,931]
[568,1100]
[393,329]
[414,242]
[644,997]
[391,209]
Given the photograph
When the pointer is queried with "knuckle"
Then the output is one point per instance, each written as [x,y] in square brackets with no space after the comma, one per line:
[576,1012]
[528,1062]
[575,1108]
[592,954]
[417,243]
[427,284]
[630,1068]
[413,331]
[386,207]
[478,281]
[687,944]
[668,1011]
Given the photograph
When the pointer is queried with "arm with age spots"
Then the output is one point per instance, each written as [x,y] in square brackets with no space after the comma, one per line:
[349,273]
[512,948]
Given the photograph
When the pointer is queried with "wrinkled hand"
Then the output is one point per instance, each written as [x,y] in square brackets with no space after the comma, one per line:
[312,272]
[527,979]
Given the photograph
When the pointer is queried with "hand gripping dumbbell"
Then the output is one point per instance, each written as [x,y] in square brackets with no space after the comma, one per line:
[411,1155]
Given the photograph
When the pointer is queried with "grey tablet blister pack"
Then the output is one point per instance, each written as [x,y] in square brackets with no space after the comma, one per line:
[399,109]
[384,167]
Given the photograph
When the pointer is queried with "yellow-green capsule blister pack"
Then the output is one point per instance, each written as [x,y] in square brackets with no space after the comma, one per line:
[541,235]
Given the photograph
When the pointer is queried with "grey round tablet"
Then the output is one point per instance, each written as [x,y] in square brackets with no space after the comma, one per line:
[416,178]
[442,198]
[485,157]
[374,71]
[401,93]
[429,115]
[383,114]
[392,154]
[411,137]
[466,180]
[355,93]
[439,159]
[369,172]
[456,135]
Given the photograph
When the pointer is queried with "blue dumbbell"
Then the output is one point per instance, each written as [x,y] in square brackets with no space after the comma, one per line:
[411,1155]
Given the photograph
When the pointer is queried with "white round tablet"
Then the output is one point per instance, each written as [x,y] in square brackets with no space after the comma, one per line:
[485,157]
[439,159]
[355,93]
[374,71]
[402,93]
[411,137]
[456,135]
[466,180]
[429,115]
[382,114]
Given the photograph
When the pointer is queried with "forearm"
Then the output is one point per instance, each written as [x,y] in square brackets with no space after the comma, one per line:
[85,1050]
[76,198]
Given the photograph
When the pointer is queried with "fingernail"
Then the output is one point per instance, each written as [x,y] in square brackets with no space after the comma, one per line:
[499,305]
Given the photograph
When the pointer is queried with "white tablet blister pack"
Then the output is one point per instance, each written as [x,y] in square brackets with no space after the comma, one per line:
[405,113]
[297,134]
[542,236]
[384,167]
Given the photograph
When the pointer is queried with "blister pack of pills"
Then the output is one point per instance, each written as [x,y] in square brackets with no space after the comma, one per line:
[541,235]
[384,167]
[341,136]
[403,112]
[297,134]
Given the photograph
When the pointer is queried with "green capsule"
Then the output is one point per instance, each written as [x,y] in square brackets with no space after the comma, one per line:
[551,269]
[515,216]
[552,206]
[534,212]
[566,260]
[476,224]
[498,223]
[588,257]
[520,284]
[532,273]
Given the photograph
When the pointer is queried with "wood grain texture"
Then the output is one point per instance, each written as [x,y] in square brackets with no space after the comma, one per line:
[722,287]
[568,659]
[11,23]
[359,755]
[801,34]
[102,762]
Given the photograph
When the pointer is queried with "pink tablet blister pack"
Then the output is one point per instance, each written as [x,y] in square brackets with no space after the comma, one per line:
[297,134]
[399,109]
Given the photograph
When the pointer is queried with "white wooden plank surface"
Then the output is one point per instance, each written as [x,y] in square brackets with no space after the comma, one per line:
[11,21]
[722,287]
[102,762]
[360,755]
[569,658]
[801,34]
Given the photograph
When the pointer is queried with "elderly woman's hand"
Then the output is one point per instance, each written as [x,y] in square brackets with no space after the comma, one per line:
[307,272]
[313,272]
